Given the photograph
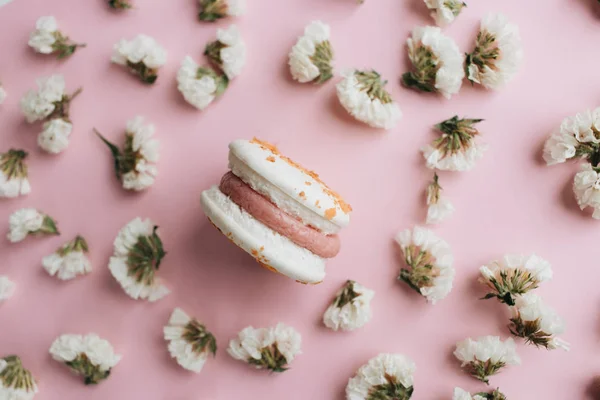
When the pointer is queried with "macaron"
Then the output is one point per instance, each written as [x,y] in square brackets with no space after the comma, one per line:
[280,213]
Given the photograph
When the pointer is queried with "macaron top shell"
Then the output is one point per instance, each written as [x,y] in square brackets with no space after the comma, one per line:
[300,184]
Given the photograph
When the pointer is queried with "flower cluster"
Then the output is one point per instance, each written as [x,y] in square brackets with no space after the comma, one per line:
[143,56]
[69,261]
[385,377]
[16,382]
[228,52]
[138,253]
[14,178]
[212,10]
[429,263]
[437,62]
[445,11]
[87,355]
[460,394]
[271,348]
[29,221]
[120,4]
[311,57]
[498,53]
[363,95]
[7,288]
[486,356]
[190,343]
[439,208]
[50,104]
[514,275]
[351,308]
[135,164]
[537,323]
[199,85]
[48,39]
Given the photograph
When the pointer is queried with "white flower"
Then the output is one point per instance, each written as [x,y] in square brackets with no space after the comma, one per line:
[47,39]
[7,288]
[135,164]
[439,208]
[586,187]
[69,261]
[55,136]
[486,356]
[578,136]
[199,85]
[387,376]
[311,57]
[461,394]
[537,323]
[514,275]
[444,11]
[351,308]
[28,221]
[16,382]
[211,10]
[498,52]
[228,52]
[142,55]
[457,148]
[3,94]
[189,341]
[38,105]
[267,348]
[86,355]
[138,252]
[429,260]
[362,94]
[14,174]
[437,62]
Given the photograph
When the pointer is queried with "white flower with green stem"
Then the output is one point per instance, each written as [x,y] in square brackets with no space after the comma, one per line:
[190,343]
[200,86]
[69,261]
[311,57]
[439,208]
[14,176]
[351,308]
[89,356]
[461,394]
[213,10]
[385,377]
[514,275]
[7,288]
[578,137]
[138,254]
[142,56]
[486,356]
[48,39]
[16,381]
[29,221]
[445,11]
[228,52]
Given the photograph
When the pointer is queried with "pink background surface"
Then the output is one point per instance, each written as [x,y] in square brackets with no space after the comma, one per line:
[509,203]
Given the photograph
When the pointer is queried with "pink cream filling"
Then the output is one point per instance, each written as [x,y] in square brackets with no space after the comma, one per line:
[326,246]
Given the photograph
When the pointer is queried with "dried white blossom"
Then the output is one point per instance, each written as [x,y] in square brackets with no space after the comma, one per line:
[439,208]
[29,221]
[55,137]
[429,263]
[445,11]
[312,56]
[199,85]
[461,394]
[514,275]
[87,355]
[363,95]
[385,377]
[120,4]
[135,163]
[351,308]
[586,187]
[190,343]
[228,52]
[271,348]
[48,39]
[39,105]
[212,10]
[7,288]
[16,382]
[486,356]
[537,323]
[437,62]
[14,177]
[138,253]
[498,52]
[457,148]
[69,261]
[142,55]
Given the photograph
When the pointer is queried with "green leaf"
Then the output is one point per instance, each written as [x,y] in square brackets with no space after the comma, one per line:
[116,153]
